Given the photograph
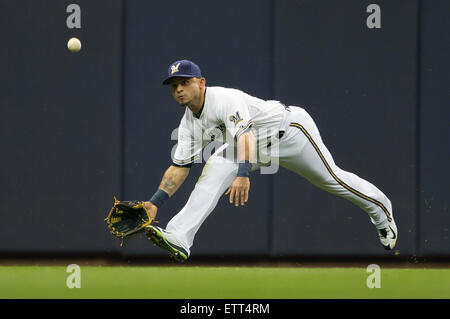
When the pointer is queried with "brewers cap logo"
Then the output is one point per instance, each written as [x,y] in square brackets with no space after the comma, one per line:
[174,68]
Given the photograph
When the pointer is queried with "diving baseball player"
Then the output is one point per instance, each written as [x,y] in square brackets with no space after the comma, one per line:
[256,134]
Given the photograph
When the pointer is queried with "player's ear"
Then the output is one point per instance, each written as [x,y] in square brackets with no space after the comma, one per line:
[202,82]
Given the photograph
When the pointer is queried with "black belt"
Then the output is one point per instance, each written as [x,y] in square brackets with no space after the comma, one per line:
[281,133]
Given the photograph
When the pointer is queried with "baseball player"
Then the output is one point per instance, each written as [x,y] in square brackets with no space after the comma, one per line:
[256,135]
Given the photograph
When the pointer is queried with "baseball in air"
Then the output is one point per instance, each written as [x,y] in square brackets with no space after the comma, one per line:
[74,45]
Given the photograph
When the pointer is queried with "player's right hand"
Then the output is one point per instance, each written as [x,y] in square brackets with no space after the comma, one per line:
[239,190]
[151,208]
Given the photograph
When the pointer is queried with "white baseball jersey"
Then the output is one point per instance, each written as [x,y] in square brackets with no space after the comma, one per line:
[226,113]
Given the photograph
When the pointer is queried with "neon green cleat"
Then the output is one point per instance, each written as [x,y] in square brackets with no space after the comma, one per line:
[156,235]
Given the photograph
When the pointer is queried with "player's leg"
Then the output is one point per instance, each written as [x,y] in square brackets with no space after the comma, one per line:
[217,175]
[302,151]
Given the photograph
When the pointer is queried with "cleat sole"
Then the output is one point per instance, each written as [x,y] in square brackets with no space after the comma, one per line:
[158,240]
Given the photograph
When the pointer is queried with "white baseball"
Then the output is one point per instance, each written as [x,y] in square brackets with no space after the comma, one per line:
[74,45]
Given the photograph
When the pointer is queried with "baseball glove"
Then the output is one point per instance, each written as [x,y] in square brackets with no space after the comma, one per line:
[127,218]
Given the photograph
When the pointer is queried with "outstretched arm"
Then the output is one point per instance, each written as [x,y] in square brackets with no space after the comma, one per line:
[246,149]
[172,179]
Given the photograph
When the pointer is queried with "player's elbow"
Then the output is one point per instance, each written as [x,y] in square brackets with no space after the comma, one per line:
[180,170]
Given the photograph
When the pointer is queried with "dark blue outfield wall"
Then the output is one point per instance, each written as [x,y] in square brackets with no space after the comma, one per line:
[60,125]
[80,128]
[434,130]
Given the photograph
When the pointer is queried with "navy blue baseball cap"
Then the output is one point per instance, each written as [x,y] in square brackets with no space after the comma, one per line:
[183,68]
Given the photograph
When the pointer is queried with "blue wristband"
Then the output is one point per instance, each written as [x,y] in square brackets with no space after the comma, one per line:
[244,169]
[159,198]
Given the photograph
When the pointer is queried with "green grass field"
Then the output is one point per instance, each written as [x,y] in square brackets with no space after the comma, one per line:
[202,282]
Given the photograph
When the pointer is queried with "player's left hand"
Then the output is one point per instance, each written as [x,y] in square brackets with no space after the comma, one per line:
[239,190]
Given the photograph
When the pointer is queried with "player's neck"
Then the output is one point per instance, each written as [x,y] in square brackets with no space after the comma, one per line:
[197,106]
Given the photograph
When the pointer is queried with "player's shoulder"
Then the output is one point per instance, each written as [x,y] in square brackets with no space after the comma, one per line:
[220,90]
[223,95]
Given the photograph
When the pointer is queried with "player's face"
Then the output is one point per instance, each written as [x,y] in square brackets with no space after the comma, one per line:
[186,90]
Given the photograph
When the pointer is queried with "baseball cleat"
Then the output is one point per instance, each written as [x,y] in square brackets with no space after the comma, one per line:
[155,234]
[388,236]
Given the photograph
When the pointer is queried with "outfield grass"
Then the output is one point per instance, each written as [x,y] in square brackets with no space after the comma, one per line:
[189,282]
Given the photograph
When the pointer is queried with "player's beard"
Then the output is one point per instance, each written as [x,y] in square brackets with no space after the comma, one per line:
[183,102]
